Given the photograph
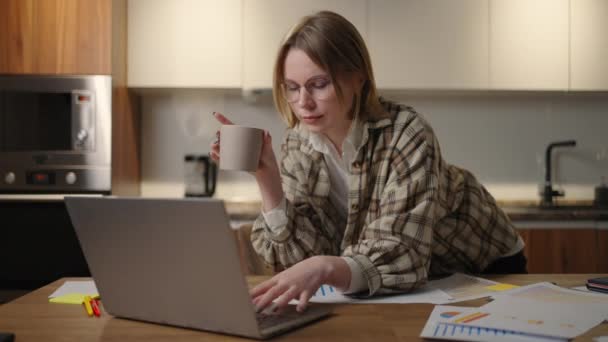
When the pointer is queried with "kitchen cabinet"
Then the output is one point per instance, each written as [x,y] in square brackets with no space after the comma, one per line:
[565,250]
[78,37]
[39,244]
[429,44]
[529,44]
[588,45]
[266,22]
[185,43]
[55,36]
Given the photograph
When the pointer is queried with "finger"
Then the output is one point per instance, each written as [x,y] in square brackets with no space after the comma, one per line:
[303,300]
[269,296]
[214,156]
[267,139]
[221,118]
[262,288]
[285,298]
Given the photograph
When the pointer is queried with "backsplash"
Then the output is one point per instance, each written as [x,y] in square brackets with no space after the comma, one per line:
[500,137]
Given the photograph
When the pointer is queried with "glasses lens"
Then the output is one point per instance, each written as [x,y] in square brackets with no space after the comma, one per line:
[321,91]
[291,93]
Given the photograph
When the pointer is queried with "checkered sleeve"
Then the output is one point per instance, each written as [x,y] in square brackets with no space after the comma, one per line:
[394,246]
[310,228]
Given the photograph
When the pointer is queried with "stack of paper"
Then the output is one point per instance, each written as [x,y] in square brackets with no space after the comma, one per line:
[73,292]
[538,312]
[328,294]
[461,287]
[456,323]
[455,288]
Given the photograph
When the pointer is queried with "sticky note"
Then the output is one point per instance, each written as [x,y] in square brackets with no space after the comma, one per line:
[500,287]
[70,298]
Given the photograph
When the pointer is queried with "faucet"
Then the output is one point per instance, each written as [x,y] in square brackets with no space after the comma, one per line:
[548,192]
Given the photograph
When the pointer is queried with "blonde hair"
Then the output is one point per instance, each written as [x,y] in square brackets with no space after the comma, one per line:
[335,45]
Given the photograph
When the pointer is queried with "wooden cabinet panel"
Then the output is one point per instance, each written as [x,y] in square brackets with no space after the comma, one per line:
[588,45]
[429,44]
[56,37]
[185,43]
[529,44]
[126,112]
[16,36]
[561,250]
[72,36]
[265,23]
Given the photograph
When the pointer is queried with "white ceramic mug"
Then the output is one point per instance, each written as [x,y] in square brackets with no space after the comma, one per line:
[240,147]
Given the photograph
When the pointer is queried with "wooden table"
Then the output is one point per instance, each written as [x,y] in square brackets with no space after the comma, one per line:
[33,318]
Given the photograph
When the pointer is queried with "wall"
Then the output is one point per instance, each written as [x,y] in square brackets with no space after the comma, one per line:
[500,137]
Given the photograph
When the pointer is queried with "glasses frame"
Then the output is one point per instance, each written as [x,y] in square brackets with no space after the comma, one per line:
[307,86]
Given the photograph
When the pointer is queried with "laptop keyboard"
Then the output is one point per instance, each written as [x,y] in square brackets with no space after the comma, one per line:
[267,320]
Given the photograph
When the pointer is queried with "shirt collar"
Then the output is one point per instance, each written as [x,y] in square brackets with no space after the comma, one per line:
[322,144]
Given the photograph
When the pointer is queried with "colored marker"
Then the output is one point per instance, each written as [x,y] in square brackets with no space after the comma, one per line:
[95,307]
[87,305]
[98,304]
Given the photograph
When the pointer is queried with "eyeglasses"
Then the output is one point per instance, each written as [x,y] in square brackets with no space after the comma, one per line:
[319,88]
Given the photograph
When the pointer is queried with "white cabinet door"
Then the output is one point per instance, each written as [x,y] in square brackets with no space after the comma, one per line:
[267,21]
[185,43]
[589,45]
[429,44]
[529,44]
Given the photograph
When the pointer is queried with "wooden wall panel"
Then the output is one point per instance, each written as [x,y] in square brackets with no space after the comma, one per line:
[126,112]
[72,36]
[126,145]
[16,36]
[55,36]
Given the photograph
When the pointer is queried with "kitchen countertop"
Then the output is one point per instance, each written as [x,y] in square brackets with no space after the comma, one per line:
[524,210]
[517,210]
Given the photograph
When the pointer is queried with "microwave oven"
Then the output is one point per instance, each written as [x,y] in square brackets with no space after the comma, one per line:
[55,134]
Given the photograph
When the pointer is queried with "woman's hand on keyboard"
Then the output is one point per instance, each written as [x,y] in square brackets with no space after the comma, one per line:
[300,282]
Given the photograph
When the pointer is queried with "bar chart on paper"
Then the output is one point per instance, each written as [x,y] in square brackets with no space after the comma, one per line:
[329,294]
[324,291]
[461,332]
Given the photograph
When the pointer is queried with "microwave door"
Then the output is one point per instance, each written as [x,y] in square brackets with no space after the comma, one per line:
[37,121]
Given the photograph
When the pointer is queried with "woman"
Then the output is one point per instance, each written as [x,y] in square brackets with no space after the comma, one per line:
[367,204]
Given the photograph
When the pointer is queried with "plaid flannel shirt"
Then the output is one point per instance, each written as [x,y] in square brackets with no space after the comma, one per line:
[411,215]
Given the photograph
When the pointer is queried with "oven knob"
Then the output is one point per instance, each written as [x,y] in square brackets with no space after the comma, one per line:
[70,178]
[82,135]
[9,178]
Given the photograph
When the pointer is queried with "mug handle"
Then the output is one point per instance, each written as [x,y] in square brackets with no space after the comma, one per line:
[211,177]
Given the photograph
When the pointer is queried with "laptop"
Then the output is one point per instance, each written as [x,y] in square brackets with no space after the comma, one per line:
[173,262]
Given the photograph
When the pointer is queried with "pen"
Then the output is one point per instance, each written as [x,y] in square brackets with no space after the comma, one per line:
[98,305]
[87,305]
[95,308]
